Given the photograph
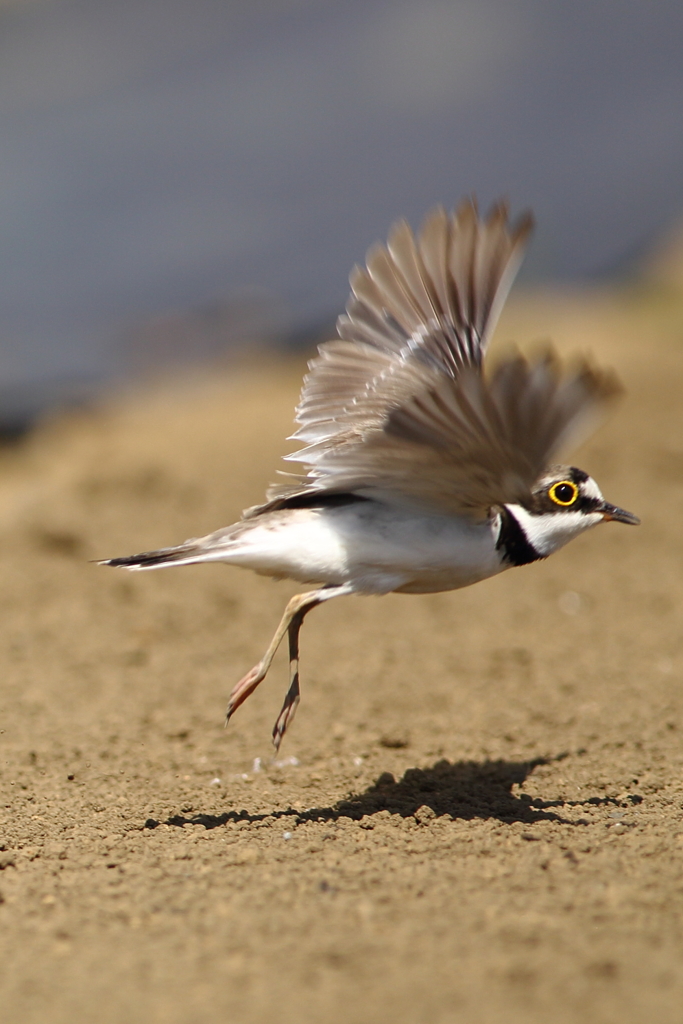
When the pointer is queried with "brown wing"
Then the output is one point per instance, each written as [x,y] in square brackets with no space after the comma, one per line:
[424,306]
[462,446]
[397,408]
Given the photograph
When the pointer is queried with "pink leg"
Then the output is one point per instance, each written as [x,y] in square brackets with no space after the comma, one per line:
[290,623]
[293,694]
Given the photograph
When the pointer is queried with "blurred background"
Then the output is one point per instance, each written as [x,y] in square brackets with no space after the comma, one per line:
[182,178]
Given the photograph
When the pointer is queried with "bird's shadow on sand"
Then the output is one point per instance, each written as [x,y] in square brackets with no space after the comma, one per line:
[461,789]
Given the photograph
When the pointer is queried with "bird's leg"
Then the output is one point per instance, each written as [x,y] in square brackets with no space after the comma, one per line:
[250,681]
[290,622]
[292,698]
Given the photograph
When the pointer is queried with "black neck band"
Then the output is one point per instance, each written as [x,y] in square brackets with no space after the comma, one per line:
[513,542]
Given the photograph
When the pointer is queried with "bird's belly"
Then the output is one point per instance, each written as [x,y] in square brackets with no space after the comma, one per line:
[293,544]
[376,548]
[429,553]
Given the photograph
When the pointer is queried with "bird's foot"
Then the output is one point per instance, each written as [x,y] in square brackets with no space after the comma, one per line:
[287,713]
[244,688]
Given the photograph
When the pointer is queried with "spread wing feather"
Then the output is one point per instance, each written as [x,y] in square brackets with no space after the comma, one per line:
[398,408]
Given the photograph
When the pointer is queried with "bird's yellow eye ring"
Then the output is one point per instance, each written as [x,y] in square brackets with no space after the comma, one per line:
[564,493]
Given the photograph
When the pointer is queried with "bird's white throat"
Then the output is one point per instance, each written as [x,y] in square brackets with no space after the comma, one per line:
[552,530]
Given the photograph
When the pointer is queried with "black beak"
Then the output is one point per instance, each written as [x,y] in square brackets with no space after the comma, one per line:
[610,513]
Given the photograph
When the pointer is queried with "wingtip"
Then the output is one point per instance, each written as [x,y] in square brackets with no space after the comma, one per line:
[523,226]
[467,212]
[467,207]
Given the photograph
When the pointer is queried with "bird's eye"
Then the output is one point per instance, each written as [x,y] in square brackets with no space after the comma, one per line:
[563,493]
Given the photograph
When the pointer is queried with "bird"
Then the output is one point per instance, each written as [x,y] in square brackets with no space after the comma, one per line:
[424,469]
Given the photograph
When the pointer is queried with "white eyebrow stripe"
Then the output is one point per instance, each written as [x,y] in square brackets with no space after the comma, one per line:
[589,489]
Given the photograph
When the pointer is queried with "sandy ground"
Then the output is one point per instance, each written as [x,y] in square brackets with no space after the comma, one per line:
[478,814]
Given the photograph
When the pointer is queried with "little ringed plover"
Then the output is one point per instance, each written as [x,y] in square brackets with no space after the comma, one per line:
[423,472]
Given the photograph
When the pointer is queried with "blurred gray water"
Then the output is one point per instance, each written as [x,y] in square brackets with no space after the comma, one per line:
[210,170]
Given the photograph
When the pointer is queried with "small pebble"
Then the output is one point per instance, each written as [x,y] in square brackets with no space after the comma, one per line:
[569,602]
[286,761]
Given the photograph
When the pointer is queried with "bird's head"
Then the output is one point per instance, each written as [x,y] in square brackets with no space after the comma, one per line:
[564,502]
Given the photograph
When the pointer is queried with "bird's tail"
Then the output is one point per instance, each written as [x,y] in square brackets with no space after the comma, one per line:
[220,546]
[183,554]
